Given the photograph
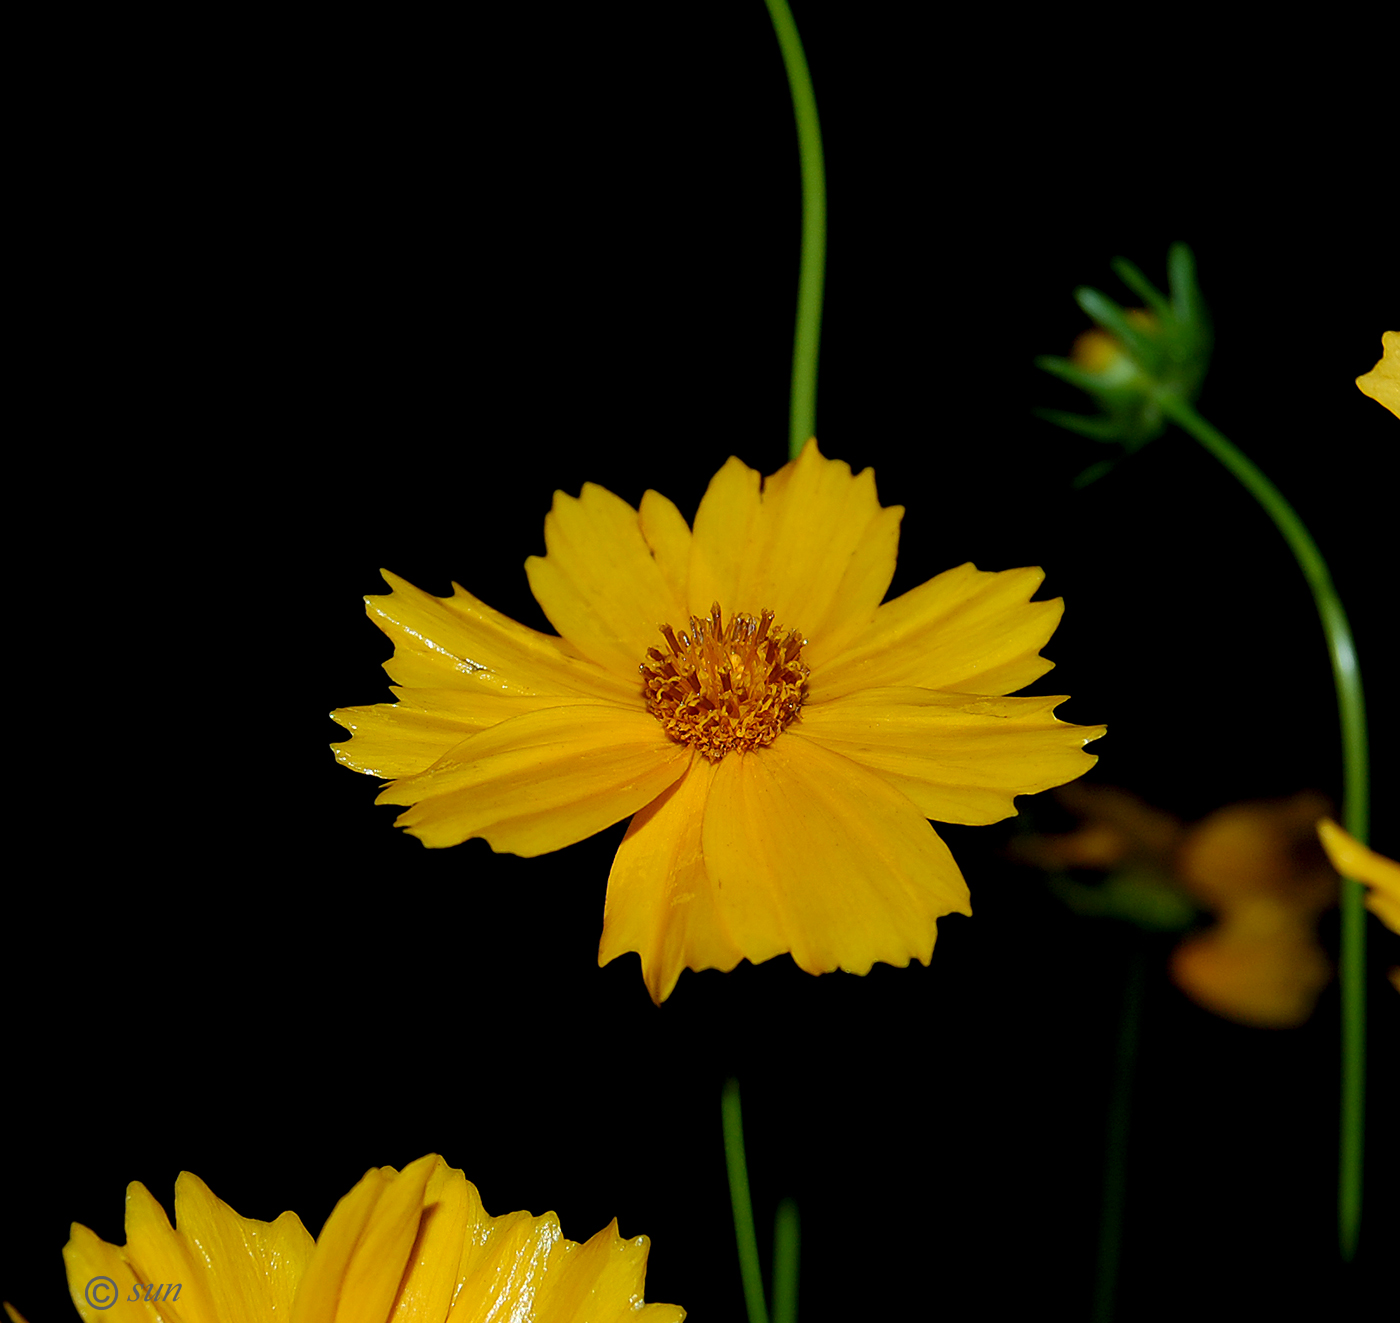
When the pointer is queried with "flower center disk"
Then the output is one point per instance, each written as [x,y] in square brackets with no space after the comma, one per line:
[721,687]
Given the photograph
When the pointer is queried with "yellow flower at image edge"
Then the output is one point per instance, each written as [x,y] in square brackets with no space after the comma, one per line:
[1382,382]
[780,733]
[410,1246]
[1380,875]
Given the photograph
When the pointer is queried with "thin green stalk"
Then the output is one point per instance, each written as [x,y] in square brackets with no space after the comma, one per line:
[803,412]
[1355,799]
[749,1268]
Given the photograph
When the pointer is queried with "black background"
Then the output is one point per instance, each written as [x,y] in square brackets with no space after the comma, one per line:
[317,297]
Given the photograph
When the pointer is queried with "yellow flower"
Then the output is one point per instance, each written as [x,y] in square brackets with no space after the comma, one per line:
[780,735]
[407,1246]
[1255,867]
[1382,382]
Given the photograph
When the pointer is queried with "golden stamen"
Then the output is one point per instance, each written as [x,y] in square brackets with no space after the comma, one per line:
[726,687]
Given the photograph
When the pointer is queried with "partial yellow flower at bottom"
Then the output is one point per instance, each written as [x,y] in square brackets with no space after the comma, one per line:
[402,1247]
[1382,382]
[780,734]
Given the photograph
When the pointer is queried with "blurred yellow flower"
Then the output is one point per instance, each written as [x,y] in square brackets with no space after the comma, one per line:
[1255,867]
[1382,382]
[410,1246]
[780,735]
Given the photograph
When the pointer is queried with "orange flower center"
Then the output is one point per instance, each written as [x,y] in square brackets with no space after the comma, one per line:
[726,687]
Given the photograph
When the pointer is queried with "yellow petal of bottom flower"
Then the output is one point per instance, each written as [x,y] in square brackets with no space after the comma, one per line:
[541,781]
[87,1258]
[598,1283]
[661,902]
[810,853]
[363,1250]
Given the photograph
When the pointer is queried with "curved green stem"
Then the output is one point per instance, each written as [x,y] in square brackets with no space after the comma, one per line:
[803,411]
[749,1268]
[1355,802]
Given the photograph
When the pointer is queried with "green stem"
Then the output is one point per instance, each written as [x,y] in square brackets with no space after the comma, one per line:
[1355,803]
[744,1233]
[803,415]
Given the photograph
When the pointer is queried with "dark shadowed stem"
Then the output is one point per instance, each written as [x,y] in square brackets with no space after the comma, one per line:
[785,1238]
[1115,1165]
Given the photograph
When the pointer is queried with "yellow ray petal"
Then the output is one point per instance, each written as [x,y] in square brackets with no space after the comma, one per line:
[252,1268]
[434,1263]
[362,1252]
[1381,875]
[541,781]
[599,583]
[1382,382]
[668,536]
[966,630]
[503,1266]
[404,738]
[812,854]
[661,902]
[459,642]
[725,528]
[600,1282]
[815,546]
[958,758]
[100,1281]
[160,1254]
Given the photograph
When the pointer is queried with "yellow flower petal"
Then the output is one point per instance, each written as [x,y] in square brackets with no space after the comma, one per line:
[362,1252]
[160,1254]
[401,1247]
[100,1281]
[405,738]
[225,1266]
[504,1265]
[725,528]
[967,630]
[435,1261]
[541,781]
[814,546]
[459,642]
[958,758]
[668,536]
[601,1282]
[251,1269]
[1352,859]
[661,902]
[812,854]
[599,583]
[1382,382]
